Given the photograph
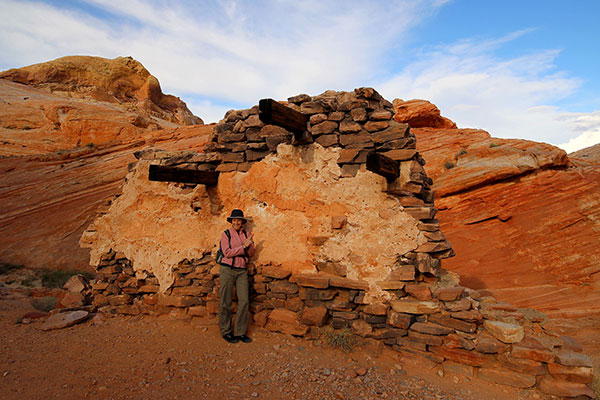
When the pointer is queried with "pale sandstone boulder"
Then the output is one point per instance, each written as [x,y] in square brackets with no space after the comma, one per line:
[63,320]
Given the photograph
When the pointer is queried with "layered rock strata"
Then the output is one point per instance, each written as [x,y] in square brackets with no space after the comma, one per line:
[336,245]
[523,217]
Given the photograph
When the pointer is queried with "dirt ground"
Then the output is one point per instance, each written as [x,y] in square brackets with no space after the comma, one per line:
[174,357]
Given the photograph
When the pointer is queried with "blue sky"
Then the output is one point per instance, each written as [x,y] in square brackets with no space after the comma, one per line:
[518,69]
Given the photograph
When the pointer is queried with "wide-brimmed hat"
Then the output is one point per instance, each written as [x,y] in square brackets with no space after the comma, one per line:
[235,213]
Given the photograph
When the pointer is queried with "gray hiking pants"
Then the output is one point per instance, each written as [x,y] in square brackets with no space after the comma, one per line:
[229,278]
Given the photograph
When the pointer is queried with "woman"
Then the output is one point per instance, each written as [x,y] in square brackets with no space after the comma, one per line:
[237,247]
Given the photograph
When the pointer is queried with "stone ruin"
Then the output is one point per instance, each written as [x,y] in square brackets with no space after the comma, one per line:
[337,244]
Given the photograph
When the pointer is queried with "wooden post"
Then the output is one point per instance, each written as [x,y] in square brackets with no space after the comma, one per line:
[162,173]
[272,112]
[384,166]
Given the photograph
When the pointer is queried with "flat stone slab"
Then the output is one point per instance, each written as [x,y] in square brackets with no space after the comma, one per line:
[505,332]
[415,307]
[63,320]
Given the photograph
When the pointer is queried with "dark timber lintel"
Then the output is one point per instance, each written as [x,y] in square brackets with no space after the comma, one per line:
[162,173]
[272,112]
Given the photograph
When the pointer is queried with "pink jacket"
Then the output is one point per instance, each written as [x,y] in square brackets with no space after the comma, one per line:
[236,255]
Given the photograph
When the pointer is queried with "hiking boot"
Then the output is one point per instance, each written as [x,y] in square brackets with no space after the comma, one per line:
[230,338]
[243,338]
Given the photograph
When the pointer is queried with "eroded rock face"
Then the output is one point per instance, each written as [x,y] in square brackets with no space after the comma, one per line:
[47,201]
[291,198]
[522,218]
[122,80]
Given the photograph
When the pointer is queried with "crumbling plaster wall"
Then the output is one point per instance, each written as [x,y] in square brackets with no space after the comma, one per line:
[290,197]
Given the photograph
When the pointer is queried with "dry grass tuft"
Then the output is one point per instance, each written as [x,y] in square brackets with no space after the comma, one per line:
[45,304]
[340,338]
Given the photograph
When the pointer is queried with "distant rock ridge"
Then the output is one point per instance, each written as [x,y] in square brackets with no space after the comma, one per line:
[121,80]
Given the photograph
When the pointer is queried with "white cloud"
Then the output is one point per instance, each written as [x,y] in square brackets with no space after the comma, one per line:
[507,97]
[226,50]
[208,111]
[588,127]
[236,52]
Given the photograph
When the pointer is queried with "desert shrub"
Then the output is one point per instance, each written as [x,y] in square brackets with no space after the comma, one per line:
[44,304]
[6,267]
[90,144]
[341,338]
[461,153]
[57,279]
[449,165]
[494,145]
[28,281]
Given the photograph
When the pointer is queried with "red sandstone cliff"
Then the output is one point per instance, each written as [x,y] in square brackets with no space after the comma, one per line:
[523,219]
[68,132]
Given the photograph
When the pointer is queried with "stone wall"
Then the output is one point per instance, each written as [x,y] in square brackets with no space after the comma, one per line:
[341,246]
[439,323]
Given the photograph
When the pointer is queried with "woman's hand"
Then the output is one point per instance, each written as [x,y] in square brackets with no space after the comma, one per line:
[248,242]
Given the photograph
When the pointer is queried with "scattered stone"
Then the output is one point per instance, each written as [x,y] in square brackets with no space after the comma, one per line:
[76,283]
[63,320]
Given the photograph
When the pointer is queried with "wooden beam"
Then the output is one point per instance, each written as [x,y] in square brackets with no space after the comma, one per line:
[384,166]
[162,173]
[272,112]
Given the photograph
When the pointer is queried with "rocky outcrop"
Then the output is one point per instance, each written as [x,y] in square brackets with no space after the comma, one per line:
[121,81]
[420,113]
[588,156]
[522,217]
[67,135]
[34,122]
[47,201]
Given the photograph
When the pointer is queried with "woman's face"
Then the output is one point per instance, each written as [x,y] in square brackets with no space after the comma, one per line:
[237,223]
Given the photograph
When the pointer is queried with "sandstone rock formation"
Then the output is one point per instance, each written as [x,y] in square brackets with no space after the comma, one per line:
[420,113]
[122,81]
[589,155]
[522,217]
[48,200]
[34,121]
[67,137]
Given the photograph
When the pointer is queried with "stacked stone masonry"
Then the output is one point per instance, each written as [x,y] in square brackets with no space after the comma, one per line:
[427,316]
[358,122]
[450,326]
